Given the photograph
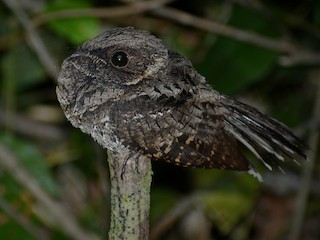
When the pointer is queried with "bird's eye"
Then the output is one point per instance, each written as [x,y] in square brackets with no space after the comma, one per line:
[119,58]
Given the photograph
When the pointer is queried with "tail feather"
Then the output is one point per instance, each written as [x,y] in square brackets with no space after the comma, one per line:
[241,135]
[268,139]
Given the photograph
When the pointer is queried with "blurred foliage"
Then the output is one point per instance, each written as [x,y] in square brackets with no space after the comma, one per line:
[21,59]
[82,28]
[73,170]
[33,161]
[239,64]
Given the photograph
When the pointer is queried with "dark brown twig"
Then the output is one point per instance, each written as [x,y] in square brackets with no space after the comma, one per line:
[26,126]
[130,9]
[223,30]
[175,15]
[295,54]
[306,178]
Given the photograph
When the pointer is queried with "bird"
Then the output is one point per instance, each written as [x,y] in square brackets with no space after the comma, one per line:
[130,93]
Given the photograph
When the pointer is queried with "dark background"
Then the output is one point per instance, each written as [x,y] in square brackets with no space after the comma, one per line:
[266,55]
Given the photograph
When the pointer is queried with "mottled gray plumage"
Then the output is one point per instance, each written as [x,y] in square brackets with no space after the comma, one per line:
[129,92]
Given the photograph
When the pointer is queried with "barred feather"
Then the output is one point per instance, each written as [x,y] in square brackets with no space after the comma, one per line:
[268,139]
[156,104]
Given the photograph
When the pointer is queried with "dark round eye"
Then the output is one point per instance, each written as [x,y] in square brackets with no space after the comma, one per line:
[119,58]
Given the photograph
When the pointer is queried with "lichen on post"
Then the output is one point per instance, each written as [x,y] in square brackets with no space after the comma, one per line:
[130,196]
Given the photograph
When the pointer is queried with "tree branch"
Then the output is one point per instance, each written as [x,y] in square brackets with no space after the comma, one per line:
[172,14]
[29,127]
[306,178]
[109,12]
[296,55]
[223,30]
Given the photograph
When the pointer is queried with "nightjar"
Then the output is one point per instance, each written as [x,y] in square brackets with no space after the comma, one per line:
[130,93]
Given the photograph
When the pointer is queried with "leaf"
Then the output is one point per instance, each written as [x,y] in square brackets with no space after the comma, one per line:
[19,200]
[162,200]
[77,29]
[230,65]
[12,230]
[33,161]
[229,196]
[316,13]
[227,208]
[20,68]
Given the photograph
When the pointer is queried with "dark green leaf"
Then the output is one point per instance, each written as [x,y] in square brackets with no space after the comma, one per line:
[231,65]
[227,208]
[162,200]
[33,161]
[20,68]
[11,230]
[76,29]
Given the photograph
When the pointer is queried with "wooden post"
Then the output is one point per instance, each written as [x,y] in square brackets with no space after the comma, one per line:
[130,196]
